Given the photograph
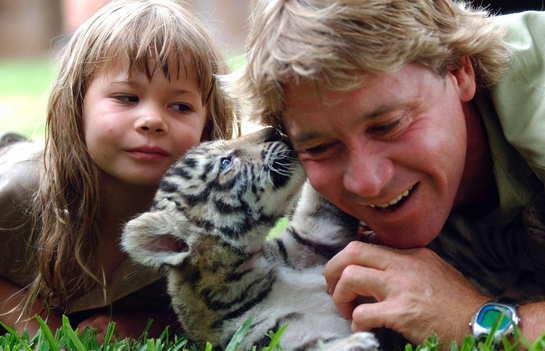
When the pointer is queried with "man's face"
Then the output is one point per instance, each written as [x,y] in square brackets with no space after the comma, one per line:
[391,153]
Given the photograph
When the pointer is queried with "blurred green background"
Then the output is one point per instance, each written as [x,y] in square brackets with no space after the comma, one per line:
[24,88]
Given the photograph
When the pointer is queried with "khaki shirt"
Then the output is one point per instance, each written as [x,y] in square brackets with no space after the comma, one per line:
[516,119]
[503,252]
[20,167]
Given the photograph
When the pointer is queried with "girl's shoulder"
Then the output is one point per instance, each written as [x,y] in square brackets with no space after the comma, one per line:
[20,167]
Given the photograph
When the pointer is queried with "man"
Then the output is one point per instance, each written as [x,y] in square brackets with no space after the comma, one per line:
[425,120]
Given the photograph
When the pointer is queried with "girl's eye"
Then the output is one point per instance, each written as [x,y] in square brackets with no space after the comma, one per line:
[181,107]
[225,162]
[126,98]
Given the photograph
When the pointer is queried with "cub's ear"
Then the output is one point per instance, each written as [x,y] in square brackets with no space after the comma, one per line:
[156,239]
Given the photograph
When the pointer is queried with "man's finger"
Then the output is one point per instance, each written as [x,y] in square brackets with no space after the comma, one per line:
[357,281]
[360,254]
[370,316]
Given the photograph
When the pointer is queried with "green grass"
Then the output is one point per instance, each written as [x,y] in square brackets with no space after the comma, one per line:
[66,338]
[25,77]
[24,86]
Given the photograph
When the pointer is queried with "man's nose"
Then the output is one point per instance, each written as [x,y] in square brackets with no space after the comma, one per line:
[366,173]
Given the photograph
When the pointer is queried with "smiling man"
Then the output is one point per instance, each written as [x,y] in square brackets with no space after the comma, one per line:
[425,120]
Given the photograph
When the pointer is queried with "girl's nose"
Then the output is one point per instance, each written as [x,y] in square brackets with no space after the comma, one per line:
[152,123]
[366,174]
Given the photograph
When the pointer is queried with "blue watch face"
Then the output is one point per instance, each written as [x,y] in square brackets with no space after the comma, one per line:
[490,314]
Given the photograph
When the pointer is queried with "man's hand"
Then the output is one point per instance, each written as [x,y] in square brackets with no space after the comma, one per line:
[418,293]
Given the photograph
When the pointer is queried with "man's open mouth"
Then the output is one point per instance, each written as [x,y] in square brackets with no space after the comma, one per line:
[397,202]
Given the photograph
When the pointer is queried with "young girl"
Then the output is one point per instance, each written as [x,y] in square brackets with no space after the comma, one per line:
[136,88]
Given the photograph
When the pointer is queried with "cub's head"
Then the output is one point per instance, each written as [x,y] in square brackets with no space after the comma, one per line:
[231,189]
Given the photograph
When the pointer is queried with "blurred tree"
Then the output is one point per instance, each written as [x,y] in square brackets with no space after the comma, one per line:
[28,26]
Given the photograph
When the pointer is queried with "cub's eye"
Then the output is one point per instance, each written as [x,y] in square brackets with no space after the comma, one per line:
[225,162]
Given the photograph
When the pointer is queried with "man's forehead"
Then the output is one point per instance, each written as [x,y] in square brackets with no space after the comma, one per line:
[376,92]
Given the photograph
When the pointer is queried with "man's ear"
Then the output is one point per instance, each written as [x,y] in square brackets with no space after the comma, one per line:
[464,79]
[155,239]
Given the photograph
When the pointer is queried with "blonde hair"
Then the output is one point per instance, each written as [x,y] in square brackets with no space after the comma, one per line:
[148,32]
[325,42]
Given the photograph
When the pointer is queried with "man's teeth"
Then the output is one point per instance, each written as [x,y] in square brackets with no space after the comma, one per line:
[394,201]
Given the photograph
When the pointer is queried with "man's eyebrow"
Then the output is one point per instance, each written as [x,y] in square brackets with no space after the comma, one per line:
[303,137]
[384,109]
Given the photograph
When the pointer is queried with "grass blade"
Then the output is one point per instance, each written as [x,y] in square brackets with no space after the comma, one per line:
[179,344]
[276,338]
[109,333]
[468,344]
[18,338]
[46,332]
[239,335]
[71,334]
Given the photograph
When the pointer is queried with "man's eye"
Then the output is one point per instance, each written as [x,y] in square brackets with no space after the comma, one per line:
[320,152]
[384,128]
[181,107]
[316,150]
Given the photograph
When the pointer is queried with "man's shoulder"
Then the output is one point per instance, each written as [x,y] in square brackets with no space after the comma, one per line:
[518,20]
[519,98]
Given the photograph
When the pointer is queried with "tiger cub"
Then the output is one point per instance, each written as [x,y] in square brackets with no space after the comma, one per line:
[207,231]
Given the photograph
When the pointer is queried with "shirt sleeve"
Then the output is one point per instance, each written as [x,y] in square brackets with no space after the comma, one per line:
[19,177]
[519,99]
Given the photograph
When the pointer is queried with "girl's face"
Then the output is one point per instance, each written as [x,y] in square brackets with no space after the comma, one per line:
[136,128]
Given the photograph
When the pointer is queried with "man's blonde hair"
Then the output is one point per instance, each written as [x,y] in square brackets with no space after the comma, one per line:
[327,42]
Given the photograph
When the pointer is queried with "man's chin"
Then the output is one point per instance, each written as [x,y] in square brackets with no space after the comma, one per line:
[404,240]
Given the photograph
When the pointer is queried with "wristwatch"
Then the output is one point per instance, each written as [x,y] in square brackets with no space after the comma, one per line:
[485,317]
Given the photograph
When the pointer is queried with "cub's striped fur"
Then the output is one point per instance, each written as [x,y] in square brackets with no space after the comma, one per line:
[207,230]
